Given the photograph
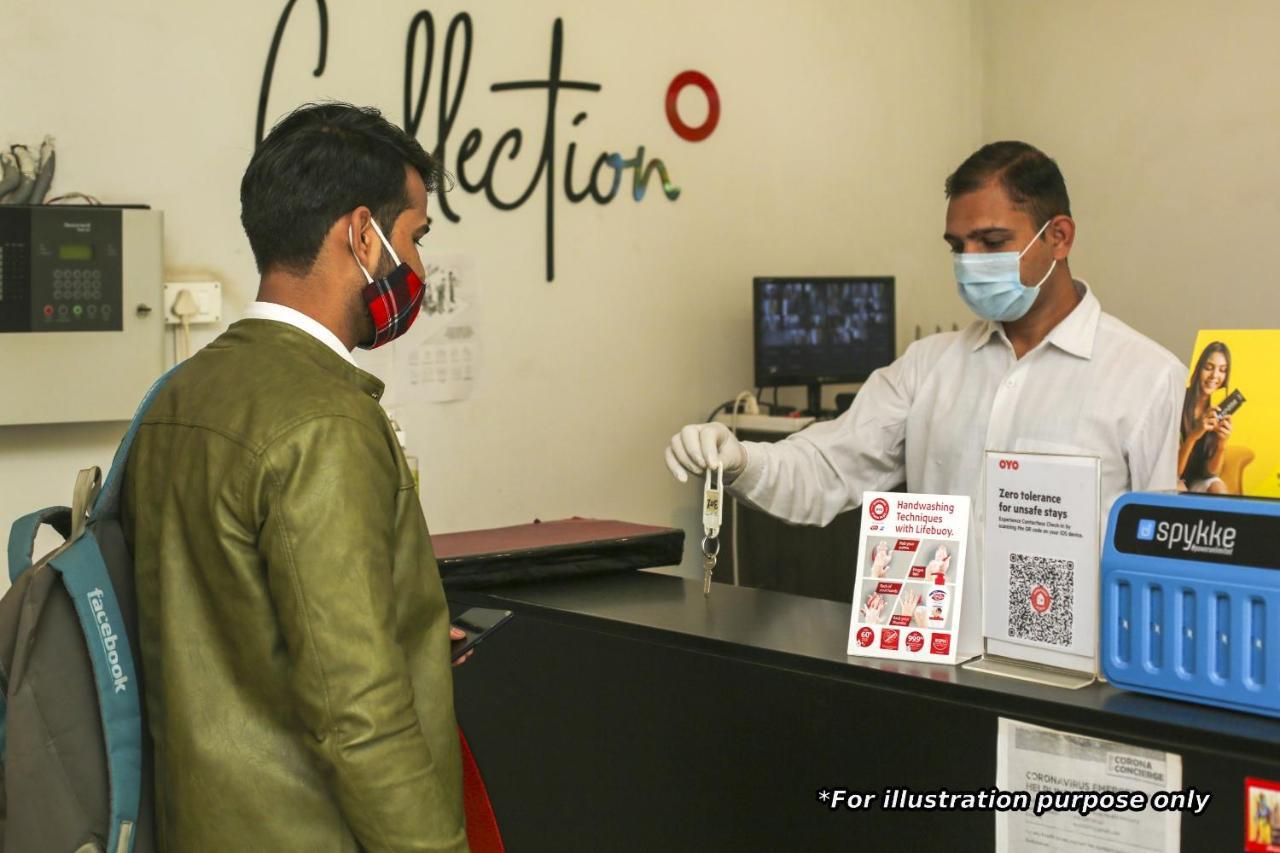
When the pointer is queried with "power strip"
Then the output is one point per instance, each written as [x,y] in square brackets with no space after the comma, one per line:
[765,423]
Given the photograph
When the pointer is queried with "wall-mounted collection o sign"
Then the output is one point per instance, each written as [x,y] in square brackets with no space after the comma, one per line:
[678,85]
[556,171]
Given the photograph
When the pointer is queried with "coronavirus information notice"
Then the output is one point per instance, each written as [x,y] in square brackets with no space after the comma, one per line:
[910,579]
[1089,793]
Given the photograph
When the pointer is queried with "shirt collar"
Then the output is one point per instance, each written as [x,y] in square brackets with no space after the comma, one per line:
[292,317]
[1075,334]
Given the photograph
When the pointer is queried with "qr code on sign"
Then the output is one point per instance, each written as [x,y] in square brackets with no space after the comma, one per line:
[1040,595]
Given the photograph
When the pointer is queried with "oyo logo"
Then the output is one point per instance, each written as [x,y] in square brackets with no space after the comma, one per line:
[879,509]
[1008,464]
[1147,529]
[865,636]
[109,640]
[1040,599]
[889,638]
[940,644]
[915,641]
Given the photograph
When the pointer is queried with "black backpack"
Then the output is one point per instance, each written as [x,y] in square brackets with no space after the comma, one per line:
[76,774]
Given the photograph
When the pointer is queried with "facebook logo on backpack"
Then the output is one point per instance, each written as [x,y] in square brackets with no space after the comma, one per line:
[1147,529]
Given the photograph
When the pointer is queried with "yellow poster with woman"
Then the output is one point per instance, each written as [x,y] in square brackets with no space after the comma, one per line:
[1228,441]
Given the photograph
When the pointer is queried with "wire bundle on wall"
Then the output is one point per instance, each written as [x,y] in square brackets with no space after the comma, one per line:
[25,177]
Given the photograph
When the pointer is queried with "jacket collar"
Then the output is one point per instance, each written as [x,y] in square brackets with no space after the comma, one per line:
[309,348]
[284,314]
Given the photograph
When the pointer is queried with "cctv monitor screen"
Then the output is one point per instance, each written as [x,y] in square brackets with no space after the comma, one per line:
[812,331]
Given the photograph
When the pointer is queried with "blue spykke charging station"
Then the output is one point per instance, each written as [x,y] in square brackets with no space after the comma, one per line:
[1191,599]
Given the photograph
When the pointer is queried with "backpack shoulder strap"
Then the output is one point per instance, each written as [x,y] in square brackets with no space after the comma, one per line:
[83,570]
[108,499]
[87,581]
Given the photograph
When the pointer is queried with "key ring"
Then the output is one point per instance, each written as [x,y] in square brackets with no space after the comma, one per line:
[707,552]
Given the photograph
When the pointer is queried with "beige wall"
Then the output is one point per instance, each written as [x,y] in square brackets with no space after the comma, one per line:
[840,121]
[1163,118]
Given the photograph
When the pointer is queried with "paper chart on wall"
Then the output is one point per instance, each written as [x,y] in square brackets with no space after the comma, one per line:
[438,360]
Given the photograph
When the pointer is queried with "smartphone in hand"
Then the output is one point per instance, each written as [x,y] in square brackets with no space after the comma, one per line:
[478,623]
[1233,402]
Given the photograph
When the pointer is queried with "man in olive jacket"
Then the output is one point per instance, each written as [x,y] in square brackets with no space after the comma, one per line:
[294,633]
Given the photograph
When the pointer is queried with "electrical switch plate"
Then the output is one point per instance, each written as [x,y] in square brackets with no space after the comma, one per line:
[208,296]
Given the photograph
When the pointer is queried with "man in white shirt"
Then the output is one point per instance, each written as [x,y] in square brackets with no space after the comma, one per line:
[1042,370]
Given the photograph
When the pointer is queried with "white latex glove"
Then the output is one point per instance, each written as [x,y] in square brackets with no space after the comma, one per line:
[697,446]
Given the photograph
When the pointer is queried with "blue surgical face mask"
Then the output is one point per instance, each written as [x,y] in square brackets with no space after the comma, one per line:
[991,283]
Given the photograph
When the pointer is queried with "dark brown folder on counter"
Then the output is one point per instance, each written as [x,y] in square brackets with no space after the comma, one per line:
[473,559]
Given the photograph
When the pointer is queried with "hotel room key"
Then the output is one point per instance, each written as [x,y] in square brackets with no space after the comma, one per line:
[712,516]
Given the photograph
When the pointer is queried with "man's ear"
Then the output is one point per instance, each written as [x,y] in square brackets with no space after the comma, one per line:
[364,240]
[1062,234]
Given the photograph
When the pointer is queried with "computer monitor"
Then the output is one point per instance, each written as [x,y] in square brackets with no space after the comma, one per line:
[822,330]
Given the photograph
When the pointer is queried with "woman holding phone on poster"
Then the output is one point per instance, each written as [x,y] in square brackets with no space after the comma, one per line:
[1204,431]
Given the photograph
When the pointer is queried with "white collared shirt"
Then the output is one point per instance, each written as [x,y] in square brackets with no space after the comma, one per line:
[1093,387]
[284,314]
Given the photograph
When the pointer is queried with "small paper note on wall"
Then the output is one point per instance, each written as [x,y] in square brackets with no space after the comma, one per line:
[438,359]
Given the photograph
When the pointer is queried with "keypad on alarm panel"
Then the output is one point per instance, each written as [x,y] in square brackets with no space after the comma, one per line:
[77,284]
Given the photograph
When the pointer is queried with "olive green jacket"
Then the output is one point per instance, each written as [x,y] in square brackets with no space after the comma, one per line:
[293,628]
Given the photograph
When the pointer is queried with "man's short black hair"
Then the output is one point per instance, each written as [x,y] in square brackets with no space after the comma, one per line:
[1030,177]
[317,164]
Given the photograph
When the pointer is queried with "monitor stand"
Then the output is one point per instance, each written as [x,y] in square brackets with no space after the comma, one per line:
[815,400]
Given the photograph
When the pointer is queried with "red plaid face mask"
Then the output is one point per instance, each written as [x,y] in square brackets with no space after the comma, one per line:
[394,300]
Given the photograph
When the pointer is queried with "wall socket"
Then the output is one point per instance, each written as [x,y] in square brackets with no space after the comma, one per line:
[208,295]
